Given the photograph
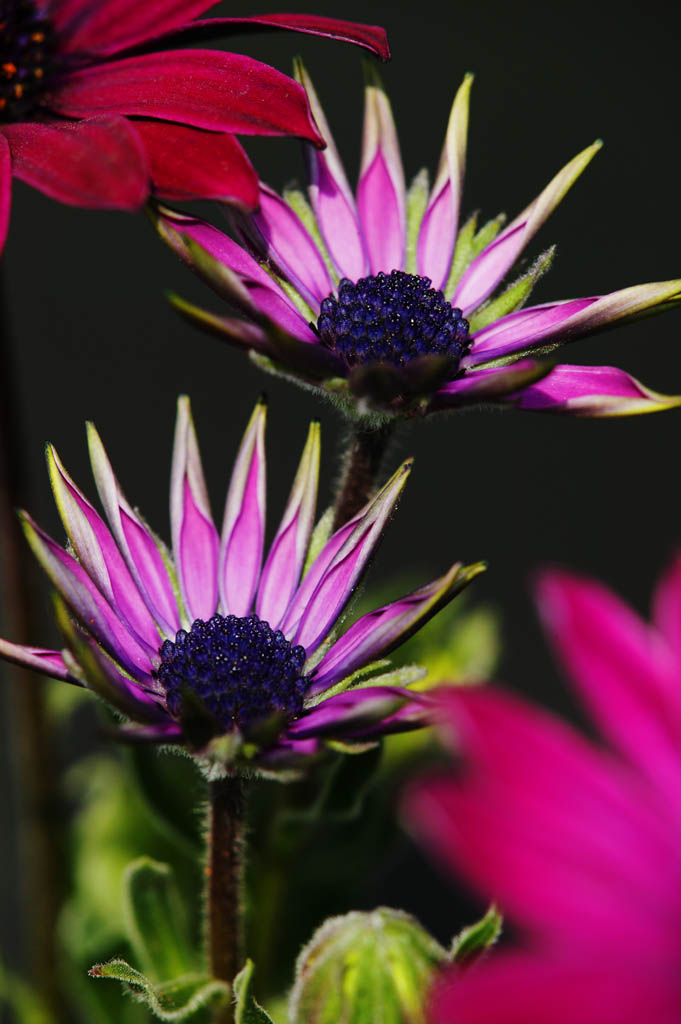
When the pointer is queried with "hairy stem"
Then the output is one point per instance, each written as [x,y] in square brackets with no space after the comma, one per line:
[225,877]
[29,733]
[362,462]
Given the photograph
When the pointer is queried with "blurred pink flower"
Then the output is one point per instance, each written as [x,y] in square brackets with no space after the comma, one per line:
[578,844]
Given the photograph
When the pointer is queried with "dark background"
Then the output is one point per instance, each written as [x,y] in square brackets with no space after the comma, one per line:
[94,338]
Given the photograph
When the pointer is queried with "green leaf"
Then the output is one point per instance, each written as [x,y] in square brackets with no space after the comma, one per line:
[247,1011]
[417,200]
[366,967]
[474,941]
[156,921]
[515,296]
[176,1000]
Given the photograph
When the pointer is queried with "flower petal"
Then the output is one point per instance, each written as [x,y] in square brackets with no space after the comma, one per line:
[590,391]
[441,218]
[5,189]
[38,659]
[284,563]
[329,584]
[491,384]
[370,37]
[187,163]
[561,322]
[110,25]
[377,633]
[381,191]
[224,92]
[488,269]
[349,713]
[331,196]
[625,673]
[195,539]
[99,162]
[80,594]
[243,528]
[568,841]
[98,554]
[283,239]
[142,552]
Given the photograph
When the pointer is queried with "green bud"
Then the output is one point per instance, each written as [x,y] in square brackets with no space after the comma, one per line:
[366,967]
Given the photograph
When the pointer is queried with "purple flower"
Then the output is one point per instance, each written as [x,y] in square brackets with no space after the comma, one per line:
[381,299]
[96,107]
[216,639]
[577,842]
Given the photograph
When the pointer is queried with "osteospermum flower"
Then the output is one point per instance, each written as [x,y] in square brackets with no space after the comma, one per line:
[97,106]
[579,844]
[208,642]
[382,299]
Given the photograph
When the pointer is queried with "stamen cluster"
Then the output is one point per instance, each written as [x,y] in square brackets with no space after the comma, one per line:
[26,48]
[391,318]
[241,670]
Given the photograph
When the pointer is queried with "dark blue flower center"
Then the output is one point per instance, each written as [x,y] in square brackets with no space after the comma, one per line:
[26,50]
[241,669]
[391,318]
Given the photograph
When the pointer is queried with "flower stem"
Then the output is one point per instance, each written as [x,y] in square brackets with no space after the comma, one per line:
[225,877]
[362,462]
[30,741]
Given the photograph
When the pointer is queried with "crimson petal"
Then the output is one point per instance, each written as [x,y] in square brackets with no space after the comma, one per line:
[187,163]
[99,162]
[110,25]
[224,92]
[5,189]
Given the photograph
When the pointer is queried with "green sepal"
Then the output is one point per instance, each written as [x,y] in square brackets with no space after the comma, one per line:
[487,233]
[462,253]
[321,533]
[246,1010]
[366,967]
[176,1000]
[156,921]
[515,296]
[417,200]
[299,204]
[473,942]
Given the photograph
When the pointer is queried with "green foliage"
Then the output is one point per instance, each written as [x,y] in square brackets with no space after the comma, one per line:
[246,1010]
[366,967]
[22,1000]
[474,941]
[156,920]
[178,1000]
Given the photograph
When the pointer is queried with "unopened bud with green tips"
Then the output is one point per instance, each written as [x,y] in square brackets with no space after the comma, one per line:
[366,967]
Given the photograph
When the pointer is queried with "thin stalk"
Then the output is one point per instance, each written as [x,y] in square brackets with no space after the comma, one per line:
[30,740]
[225,884]
[362,462]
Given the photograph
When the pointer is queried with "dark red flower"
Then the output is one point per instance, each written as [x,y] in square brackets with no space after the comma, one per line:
[98,107]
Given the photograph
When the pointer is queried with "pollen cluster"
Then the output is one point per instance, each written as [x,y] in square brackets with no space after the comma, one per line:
[26,48]
[241,670]
[391,318]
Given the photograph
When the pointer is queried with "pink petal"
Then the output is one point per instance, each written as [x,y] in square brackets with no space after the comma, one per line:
[98,554]
[109,25]
[284,564]
[5,189]
[349,712]
[590,391]
[331,196]
[521,989]
[195,539]
[667,607]
[224,92]
[289,246]
[489,384]
[488,269]
[441,219]
[324,593]
[140,549]
[381,192]
[186,163]
[626,675]
[243,529]
[377,633]
[38,659]
[100,162]
[520,330]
